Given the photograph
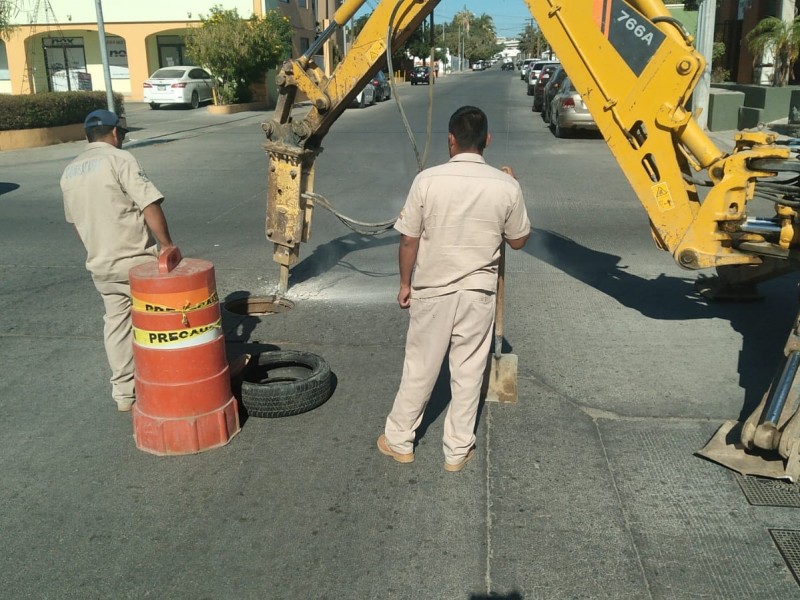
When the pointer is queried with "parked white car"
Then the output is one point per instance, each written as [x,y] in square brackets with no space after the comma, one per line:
[178,85]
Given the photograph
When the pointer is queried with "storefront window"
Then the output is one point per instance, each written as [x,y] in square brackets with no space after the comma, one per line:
[117,57]
[172,51]
[4,73]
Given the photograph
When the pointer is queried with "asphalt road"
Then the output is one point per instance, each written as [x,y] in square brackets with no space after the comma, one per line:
[588,488]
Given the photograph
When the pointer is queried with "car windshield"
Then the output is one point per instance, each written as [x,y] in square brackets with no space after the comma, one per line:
[168,74]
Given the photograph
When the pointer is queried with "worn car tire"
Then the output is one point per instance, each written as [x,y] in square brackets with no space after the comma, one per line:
[195,100]
[285,383]
[153,106]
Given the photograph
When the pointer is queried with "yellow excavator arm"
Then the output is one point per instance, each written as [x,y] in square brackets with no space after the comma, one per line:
[635,67]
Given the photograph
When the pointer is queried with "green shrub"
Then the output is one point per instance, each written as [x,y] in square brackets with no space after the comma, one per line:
[51,109]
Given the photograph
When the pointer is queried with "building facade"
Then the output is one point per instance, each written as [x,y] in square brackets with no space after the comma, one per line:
[56,47]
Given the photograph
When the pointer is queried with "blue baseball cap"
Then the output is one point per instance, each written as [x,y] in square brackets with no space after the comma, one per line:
[99,117]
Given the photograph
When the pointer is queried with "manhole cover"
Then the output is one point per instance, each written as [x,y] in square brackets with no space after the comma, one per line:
[258,306]
[769,492]
[788,543]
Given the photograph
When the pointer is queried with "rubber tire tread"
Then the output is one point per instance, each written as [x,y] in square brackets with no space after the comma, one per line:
[287,398]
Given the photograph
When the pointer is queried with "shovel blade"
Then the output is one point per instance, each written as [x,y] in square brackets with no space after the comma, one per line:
[502,379]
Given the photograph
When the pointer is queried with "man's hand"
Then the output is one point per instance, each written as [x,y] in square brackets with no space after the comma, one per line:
[408,257]
[508,171]
[404,297]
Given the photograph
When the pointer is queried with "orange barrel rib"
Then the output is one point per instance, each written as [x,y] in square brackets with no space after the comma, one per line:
[184,403]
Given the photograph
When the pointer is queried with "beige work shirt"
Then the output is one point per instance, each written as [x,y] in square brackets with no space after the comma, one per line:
[105,191]
[461,211]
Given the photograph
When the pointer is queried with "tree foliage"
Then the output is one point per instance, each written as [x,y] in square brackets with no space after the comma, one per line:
[532,42]
[239,51]
[8,10]
[779,38]
[478,35]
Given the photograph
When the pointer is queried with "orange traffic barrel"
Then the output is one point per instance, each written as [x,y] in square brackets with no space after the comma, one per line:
[184,403]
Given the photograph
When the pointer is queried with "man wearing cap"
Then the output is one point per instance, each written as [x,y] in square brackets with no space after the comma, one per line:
[116,211]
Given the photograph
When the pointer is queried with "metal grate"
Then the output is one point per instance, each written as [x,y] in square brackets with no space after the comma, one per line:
[788,543]
[769,492]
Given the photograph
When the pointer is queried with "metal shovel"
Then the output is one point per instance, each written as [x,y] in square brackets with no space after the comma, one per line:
[502,375]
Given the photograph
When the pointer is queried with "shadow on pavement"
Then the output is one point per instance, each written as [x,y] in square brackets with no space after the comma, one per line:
[674,298]
[328,255]
[6,187]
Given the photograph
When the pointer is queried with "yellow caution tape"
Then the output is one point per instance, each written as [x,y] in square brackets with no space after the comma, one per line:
[144,306]
[180,338]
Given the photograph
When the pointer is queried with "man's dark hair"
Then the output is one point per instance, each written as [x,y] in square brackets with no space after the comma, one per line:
[95,133]
[469,126]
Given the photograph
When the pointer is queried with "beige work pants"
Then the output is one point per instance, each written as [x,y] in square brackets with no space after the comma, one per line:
[461,322]
[118,337]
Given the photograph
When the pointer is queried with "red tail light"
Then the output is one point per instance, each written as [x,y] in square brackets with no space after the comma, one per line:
[180,84]
[147,85]
[568,103]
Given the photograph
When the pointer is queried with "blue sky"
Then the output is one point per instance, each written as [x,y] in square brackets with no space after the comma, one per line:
[509,16]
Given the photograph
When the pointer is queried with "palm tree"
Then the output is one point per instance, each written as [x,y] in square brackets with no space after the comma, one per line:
[779,38]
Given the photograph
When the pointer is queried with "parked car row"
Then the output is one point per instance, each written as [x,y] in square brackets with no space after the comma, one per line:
[560,104]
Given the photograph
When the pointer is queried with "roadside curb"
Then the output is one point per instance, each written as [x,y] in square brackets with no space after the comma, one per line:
[229,109]
[18,139]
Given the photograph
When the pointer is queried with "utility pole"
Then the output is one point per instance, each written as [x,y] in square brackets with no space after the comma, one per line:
[101,32]
[706,17]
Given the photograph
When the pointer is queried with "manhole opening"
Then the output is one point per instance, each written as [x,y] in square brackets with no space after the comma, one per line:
[258,306]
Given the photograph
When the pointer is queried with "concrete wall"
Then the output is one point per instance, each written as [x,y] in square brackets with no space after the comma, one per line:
[753,104]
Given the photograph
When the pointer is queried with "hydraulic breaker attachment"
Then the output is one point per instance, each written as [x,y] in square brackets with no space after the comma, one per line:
[294,140]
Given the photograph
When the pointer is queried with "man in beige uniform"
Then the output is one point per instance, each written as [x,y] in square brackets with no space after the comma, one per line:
[454,221]
[116,211]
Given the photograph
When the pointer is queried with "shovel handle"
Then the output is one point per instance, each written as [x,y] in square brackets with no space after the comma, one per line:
[500,301]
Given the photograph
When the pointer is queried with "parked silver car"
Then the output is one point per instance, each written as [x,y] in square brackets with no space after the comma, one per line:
[568,113]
